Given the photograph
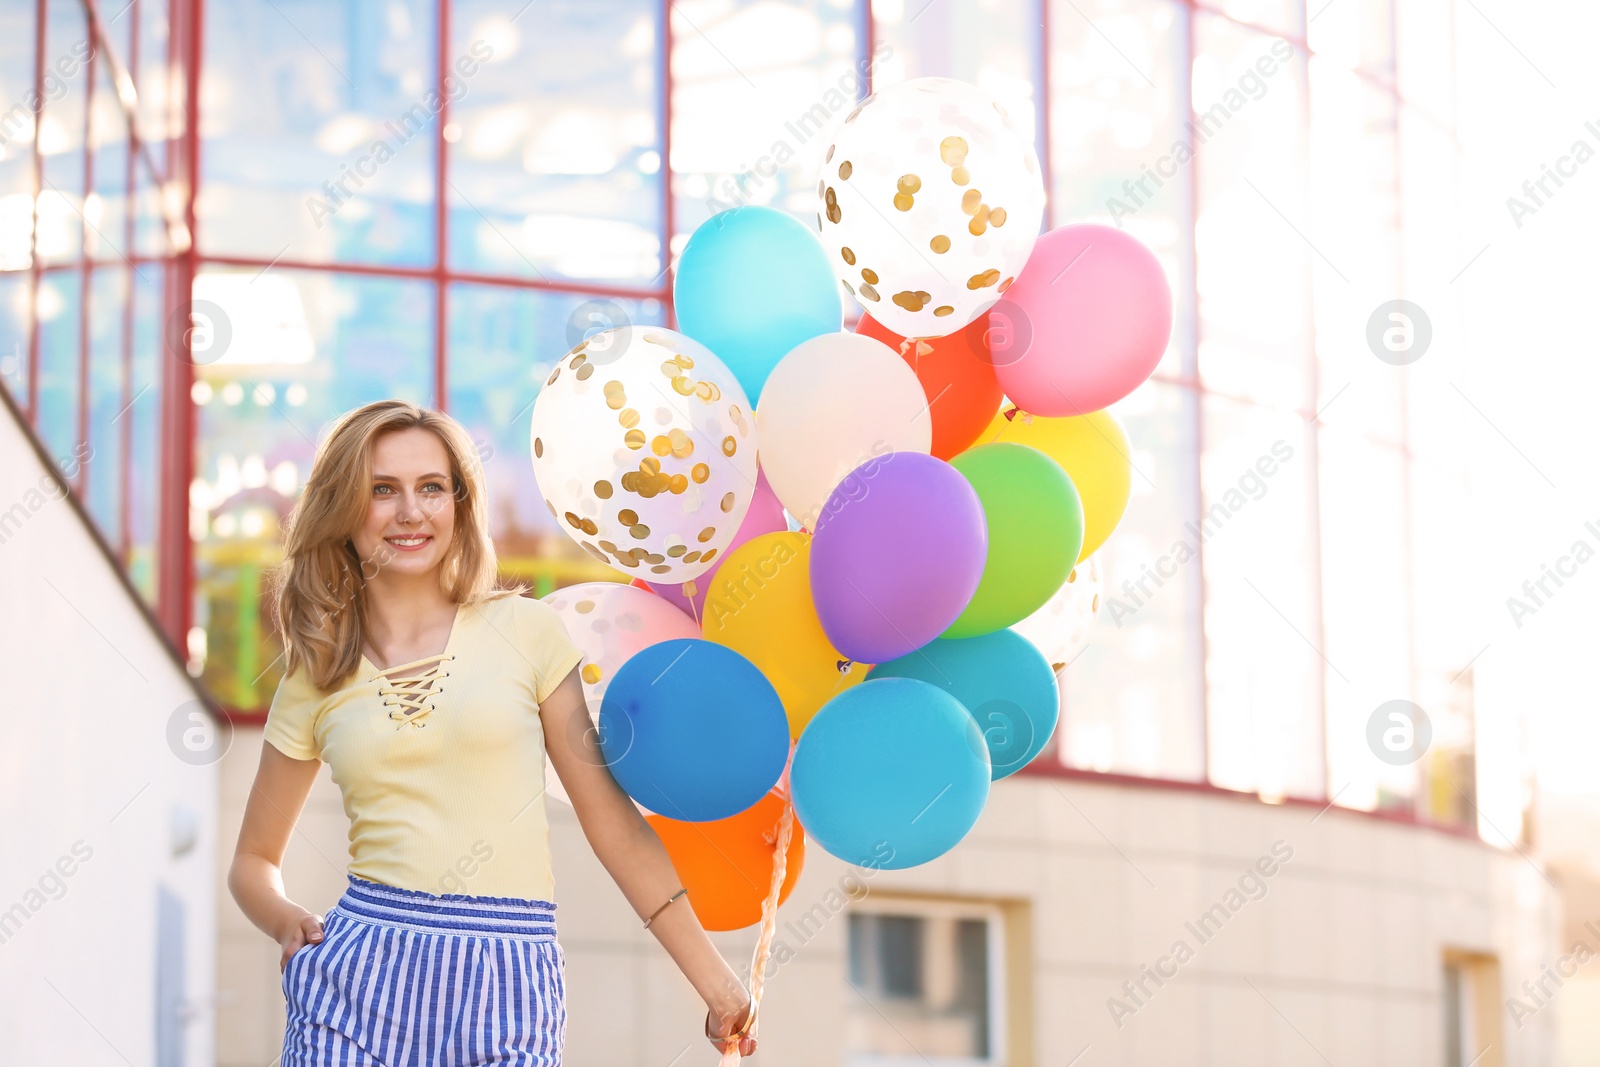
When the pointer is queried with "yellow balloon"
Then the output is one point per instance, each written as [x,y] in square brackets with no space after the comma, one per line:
[1093,449]
[760,606]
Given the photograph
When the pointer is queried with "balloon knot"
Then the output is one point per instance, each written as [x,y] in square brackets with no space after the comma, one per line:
[844,665]
[923,348]
[1012,414]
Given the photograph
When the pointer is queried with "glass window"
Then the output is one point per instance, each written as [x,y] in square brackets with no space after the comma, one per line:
[757,91]
[59,309]
[105,210]
[1263,638]
[320,131]
[61,134]
[989,43]
[1359,35]
[292,351]
[1284,15]
[159,107]
[1366,607]
[15,318]
[555,155]
[1120,152]
[1253,259]
[1355,223]
[503,343]
[1131,701]
[924,980]
[144,418]
[16,133]
[108,302]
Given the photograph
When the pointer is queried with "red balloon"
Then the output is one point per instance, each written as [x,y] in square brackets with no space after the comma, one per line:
[957,377]
[640,583]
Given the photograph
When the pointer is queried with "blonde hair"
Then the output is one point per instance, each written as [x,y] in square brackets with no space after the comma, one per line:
[320,586]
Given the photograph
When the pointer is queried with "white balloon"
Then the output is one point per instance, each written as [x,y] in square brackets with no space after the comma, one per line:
[931,199]
[609,622]
[830,405]
[1062,626]
[644,448]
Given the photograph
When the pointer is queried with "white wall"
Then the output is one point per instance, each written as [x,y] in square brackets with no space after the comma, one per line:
[85,765]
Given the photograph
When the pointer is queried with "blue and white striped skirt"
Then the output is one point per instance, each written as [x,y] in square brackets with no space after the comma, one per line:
[403,978]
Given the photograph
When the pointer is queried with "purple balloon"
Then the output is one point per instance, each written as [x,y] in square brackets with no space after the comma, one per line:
[896,555]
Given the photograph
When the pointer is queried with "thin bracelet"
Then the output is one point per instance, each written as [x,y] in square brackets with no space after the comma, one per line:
[659,910]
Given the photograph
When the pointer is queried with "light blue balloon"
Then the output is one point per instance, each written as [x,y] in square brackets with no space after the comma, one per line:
[1002,680]
[693,730]
[752,283]
[890,774]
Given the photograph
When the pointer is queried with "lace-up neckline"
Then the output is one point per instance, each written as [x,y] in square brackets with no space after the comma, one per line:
[409,700]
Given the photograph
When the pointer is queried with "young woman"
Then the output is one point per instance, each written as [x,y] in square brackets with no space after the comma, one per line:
[433,696]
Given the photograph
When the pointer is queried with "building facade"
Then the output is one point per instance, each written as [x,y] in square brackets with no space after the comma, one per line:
[221,225]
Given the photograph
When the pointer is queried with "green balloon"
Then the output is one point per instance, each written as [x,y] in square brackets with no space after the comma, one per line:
[1035,523]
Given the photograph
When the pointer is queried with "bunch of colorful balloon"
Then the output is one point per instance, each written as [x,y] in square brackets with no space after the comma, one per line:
[840,539]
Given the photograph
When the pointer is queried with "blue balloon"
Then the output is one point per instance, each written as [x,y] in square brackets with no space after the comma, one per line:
[693,730]
[752,283]
[889,774]
[1003,681]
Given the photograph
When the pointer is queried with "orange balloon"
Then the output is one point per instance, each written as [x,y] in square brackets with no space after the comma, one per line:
[726,864]
[640,583]
[957,377]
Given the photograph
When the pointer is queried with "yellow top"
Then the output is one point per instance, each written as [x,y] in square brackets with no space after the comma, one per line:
[442,772]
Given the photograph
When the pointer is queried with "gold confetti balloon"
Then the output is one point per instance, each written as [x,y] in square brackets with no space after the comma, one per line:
[609,622]
[644,448]
[930,199]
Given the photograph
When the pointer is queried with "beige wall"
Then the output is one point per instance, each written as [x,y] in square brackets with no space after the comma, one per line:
[1341,960]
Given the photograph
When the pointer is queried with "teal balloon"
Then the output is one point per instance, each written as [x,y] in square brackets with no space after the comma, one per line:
[889,774]
[1003,681]
[752,283]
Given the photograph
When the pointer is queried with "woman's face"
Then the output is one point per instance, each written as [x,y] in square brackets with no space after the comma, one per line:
[411,509]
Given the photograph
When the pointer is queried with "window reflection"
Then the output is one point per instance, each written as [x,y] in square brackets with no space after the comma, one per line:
[1131,701]
[1263,668]
[555,156]
[757,90]
[58,308]
[107,373]
[258,420]
[320,131]
[1253,262]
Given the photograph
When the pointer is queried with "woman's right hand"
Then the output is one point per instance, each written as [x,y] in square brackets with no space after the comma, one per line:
[307,929]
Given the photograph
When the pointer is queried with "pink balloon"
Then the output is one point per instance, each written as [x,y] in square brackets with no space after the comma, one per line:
[765,516]
[1089,318]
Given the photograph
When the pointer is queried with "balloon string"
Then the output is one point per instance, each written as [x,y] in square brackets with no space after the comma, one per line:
[769,925]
